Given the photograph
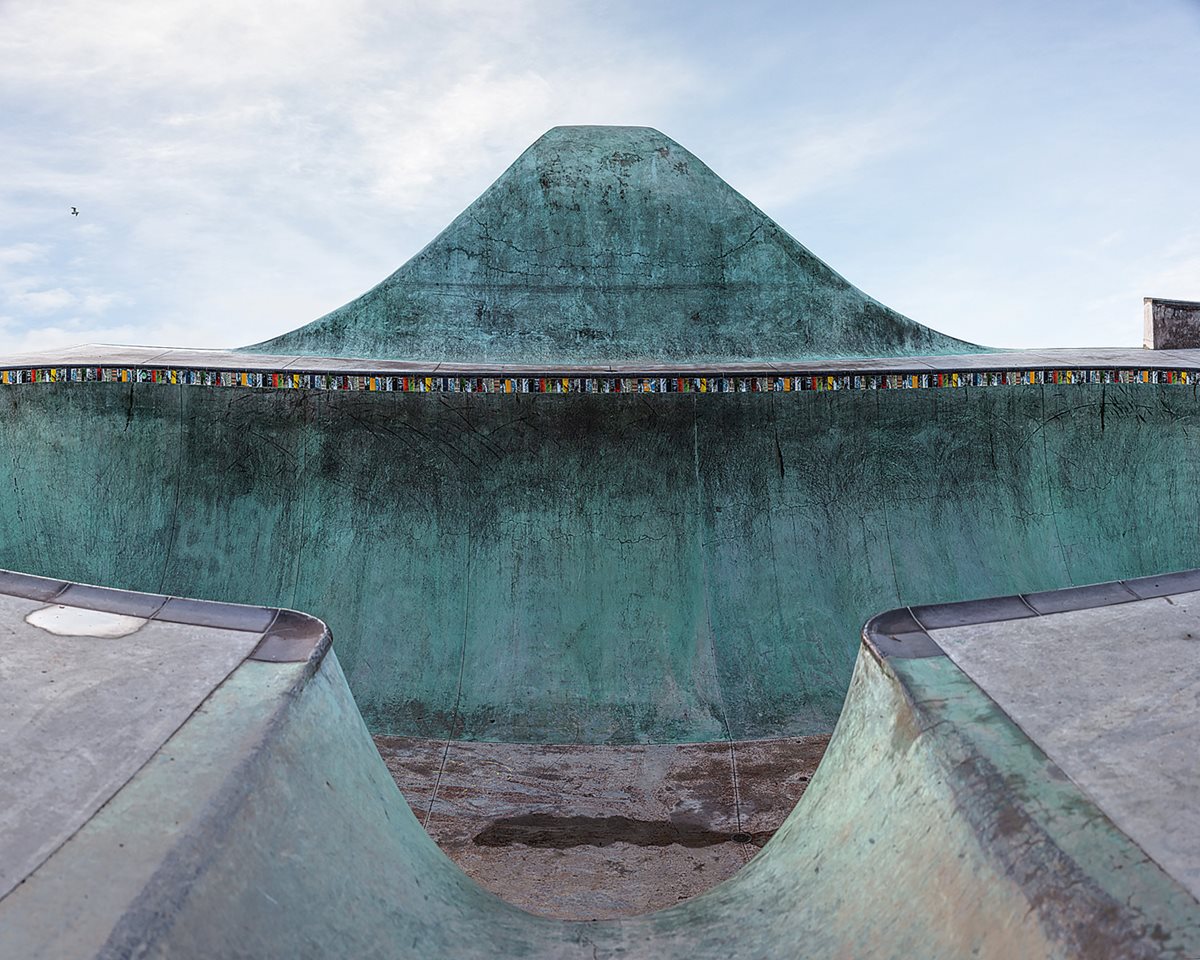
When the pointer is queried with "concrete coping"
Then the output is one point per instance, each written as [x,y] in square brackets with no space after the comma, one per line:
[161,358]
[287,636]
[902,633]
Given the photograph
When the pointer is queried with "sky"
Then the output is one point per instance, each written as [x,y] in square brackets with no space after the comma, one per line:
[1017,174]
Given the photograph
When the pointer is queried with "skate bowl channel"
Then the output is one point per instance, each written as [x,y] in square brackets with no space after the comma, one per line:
[236,806]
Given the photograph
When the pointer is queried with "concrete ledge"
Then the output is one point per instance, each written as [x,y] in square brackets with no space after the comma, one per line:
[97,363]
[287,636]
[166,358]
[904,633]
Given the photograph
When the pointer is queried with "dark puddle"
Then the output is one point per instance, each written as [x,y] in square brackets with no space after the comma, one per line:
[559,833]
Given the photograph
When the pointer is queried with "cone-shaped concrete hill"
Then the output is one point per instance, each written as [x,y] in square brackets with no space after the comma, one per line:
[612,244]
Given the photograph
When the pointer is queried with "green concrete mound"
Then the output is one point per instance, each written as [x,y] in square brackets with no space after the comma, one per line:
[597,568]
[607,244]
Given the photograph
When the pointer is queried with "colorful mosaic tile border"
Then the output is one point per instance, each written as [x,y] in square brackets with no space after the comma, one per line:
[420,383]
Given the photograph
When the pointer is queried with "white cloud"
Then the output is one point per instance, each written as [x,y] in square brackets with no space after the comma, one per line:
[18,253]
[813,153]
[17,336]
[42,301]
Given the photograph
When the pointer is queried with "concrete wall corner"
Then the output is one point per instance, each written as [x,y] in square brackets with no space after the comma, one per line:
[1170,324]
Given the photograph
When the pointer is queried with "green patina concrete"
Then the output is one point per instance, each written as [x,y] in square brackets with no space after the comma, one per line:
[612,244]
[270,827]
[598,568]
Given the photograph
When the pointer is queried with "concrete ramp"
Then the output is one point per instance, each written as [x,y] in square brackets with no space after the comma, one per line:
[266,824]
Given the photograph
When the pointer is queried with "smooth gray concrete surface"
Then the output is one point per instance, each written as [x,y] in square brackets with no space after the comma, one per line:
[1170,324]
[110,355]
[86,698]
[1112,695]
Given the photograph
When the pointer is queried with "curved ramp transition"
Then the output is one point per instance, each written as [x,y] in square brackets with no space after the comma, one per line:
[266,825]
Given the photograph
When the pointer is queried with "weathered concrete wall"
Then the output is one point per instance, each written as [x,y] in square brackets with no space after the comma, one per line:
[598,568]
[1170,324]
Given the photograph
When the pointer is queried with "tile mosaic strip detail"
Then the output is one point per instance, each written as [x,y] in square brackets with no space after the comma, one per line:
[419,383]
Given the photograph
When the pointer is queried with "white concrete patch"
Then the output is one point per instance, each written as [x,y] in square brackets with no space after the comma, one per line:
[77,622]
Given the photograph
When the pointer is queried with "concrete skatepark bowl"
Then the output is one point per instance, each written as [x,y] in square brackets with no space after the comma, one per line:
[620,467]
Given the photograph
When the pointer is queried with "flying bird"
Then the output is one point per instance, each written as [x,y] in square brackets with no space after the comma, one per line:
[74,211]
